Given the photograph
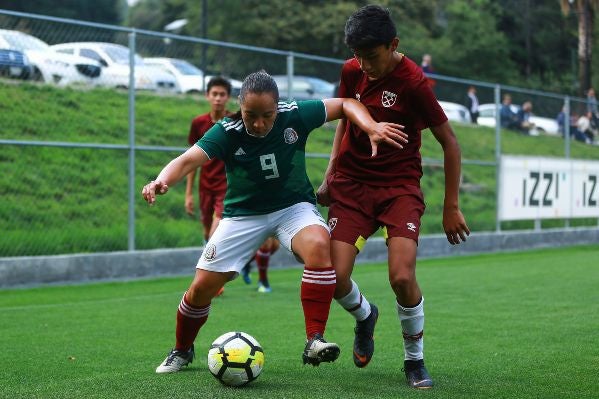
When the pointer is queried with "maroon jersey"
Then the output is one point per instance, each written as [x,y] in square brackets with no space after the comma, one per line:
[404,97]
[213,177]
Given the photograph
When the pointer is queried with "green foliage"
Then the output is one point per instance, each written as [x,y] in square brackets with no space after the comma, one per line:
[105,340]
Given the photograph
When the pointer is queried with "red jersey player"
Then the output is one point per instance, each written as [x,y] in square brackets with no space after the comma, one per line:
[368,190]
[213,180]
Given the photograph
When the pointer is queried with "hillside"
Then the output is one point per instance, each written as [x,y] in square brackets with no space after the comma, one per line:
[65,200]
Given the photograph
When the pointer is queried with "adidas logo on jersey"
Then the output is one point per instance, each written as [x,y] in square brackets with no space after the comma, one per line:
[240,152]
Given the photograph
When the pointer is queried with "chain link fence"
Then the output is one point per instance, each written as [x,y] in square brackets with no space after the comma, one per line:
[92,111]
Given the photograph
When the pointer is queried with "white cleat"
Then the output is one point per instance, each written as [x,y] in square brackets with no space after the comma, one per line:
[318,350]
[175,361]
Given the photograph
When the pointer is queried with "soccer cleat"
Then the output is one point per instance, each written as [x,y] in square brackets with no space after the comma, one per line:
[264,289]
[364,338]
[175,361]
[417,375]
[318,350]
[245,273]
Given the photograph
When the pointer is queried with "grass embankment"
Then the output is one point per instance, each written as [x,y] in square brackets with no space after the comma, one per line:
[64,200]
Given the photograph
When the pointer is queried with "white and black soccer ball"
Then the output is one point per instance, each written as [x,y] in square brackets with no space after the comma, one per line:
[235,358]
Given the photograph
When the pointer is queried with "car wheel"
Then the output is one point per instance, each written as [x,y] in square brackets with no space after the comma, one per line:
[36,75]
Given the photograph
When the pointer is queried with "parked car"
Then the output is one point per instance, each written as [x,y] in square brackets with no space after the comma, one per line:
[114,59]
[455,112]
[542,125]
[46,64]
[188,76]
[305,87]
[14,64]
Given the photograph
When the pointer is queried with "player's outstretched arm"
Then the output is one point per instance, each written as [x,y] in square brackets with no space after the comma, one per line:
[176,169]
[356,112]
[454,222]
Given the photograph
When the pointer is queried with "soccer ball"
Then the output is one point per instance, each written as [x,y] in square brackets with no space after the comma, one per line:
[235,359]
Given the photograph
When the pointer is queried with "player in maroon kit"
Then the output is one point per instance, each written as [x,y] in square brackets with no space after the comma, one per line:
[368,190]
[213,180]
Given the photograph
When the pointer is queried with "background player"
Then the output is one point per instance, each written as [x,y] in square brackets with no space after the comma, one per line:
[269,193]
[212,184]
[366,192]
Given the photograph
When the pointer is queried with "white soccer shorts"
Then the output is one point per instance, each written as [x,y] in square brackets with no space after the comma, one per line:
[236,239]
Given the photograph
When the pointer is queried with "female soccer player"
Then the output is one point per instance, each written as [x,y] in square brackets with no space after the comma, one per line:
[269,193]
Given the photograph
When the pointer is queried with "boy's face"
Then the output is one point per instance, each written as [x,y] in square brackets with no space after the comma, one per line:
[217,97]
[377,61]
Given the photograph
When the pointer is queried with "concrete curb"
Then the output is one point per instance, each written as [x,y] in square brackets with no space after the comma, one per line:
[65,269]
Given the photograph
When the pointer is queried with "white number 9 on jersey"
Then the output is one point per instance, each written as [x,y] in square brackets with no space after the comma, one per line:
[269,163]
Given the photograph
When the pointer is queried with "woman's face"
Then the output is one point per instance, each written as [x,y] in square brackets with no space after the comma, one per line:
[259,111]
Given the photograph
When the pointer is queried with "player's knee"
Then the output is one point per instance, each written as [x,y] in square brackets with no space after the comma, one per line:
[401,281]
[317,253]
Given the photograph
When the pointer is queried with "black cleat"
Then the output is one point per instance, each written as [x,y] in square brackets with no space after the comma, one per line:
[417,375]
[318,350]
[364,338]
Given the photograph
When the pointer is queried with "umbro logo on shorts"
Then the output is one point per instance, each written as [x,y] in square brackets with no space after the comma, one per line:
[411,226]
[332,223]
[240,152]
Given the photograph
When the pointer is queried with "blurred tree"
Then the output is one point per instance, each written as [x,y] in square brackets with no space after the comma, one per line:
[585,11]
[104,11]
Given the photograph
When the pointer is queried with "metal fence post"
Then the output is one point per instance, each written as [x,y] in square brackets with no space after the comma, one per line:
[289,74]
[567,137]
[131,216]
[497,153]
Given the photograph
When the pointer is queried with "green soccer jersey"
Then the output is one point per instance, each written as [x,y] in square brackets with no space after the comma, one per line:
[266,174]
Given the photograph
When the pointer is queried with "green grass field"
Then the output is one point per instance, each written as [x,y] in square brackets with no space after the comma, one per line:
[517,325]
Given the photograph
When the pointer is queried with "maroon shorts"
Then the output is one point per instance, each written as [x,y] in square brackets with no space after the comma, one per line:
[211,205]
[357,210]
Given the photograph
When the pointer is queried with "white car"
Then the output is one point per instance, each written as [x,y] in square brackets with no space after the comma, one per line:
[114,59]
[189,78]
[486,117]
[455,112]
[305,87]
[47,65]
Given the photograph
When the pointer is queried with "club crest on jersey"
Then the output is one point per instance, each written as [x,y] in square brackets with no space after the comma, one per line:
[332,223]
[290,135]
[210,252]
[388,99]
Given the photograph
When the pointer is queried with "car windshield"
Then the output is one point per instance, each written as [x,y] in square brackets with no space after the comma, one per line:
[23,42]
[186,68]
[120,55]
[321,86]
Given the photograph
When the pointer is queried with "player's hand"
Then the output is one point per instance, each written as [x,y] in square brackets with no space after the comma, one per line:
[386,133]
[322,194]
[153,188]
[454,225]
[189,205]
